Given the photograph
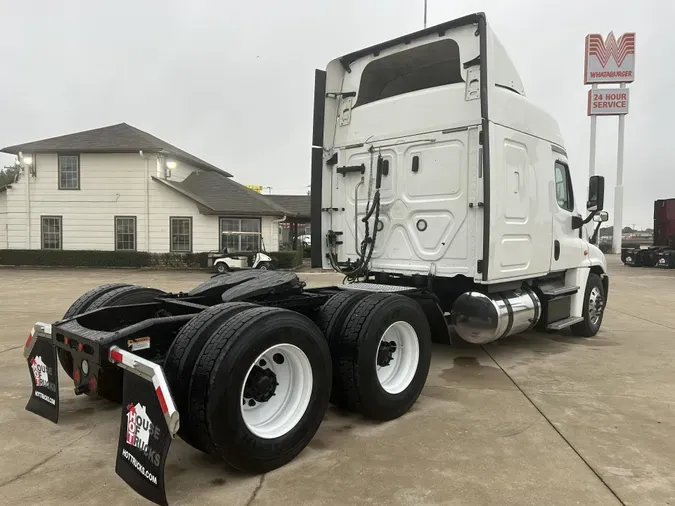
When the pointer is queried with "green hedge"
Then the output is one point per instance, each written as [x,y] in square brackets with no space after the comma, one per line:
[287,259]
[96,258]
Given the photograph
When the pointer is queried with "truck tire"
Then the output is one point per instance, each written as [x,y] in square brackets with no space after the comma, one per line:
[131,294]
[383,356]
[593,308]
[110,383]
[260,388]
[184,352]
[330,319]
[80,306]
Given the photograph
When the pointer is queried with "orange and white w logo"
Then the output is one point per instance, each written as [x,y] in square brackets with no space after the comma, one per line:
[611,48]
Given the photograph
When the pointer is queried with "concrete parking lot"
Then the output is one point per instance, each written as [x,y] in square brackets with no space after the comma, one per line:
[535,419]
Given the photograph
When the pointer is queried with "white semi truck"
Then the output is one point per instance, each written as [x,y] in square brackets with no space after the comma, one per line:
[465,183]
[440,192]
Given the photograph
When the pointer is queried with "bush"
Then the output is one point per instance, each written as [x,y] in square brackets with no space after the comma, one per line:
[287,259]
[96,258]
[178,260]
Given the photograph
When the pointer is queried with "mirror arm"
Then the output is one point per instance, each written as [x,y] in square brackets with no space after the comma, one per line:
[590,217]
[594,237]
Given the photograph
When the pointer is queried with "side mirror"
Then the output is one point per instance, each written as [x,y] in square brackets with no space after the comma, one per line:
[596,194]
[601,217]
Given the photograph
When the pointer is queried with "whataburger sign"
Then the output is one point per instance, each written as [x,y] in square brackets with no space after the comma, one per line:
[610,60]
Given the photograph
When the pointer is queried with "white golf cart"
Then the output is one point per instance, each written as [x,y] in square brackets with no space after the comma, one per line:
[227,262]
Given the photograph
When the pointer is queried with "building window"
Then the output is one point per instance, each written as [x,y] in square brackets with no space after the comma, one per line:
[240,234]
[51,232]
[125,233]
[563,187]
[181,235]
[69,172]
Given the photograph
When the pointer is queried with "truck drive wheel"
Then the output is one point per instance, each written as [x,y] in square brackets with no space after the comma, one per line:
[330,319]
[80,306]
[383,356]
[593,308]
[260,388]
[184,352]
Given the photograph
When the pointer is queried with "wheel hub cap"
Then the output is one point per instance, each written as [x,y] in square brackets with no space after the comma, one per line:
[386,353]
[261,385]
[596,305]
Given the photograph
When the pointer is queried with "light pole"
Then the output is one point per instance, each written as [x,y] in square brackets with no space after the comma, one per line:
[425,13]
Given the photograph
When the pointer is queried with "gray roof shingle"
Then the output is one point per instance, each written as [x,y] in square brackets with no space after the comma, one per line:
[299,205]
[221,195]
[120,138]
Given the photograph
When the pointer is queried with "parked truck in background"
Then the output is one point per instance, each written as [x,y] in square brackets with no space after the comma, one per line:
[662,252]
[440,192]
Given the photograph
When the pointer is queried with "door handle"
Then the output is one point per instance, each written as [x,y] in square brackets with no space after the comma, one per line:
[556,249]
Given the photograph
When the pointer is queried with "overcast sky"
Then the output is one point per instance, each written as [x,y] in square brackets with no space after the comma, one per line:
[231,82]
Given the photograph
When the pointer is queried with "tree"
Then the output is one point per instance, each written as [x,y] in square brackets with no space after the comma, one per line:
[627,230]
[8,174]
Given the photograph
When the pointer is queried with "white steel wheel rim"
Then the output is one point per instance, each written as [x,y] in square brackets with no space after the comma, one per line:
[282,412]
[395,377]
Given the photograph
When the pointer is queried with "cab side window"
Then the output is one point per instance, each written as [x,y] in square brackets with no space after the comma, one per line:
[563,187]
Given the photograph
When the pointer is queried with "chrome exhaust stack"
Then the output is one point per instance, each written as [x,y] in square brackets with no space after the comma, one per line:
[479,318]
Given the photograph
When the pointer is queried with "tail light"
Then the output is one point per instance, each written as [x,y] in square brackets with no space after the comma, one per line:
[92,384]
[28,341]
[76,375]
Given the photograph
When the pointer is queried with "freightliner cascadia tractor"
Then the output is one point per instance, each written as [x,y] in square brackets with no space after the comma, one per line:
[441,194]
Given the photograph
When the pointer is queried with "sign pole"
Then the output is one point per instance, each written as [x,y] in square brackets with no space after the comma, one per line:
[425,13]
[594,126]
[618,190]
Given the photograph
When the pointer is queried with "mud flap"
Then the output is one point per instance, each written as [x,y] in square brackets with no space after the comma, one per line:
[144,440]
[149,423]
[40,354]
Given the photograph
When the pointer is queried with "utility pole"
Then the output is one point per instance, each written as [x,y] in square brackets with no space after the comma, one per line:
[425,13]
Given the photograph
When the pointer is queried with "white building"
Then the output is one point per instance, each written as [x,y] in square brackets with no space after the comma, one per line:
[119,188]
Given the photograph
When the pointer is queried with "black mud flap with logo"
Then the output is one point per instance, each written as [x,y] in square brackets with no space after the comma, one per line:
[40,354]
[144,439]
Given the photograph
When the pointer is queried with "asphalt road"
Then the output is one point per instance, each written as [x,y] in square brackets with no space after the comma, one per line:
[534,419]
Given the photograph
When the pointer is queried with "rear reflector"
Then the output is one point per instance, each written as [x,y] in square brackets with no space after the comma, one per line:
[76,375]
[80,347]
[65,340]
[162,402]
[28,341]
[116,356]
[92,384]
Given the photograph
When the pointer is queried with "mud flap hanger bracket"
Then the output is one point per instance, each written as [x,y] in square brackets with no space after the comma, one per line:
[152,372]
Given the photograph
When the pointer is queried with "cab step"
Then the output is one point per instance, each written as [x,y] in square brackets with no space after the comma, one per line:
[564,323]
[552,290]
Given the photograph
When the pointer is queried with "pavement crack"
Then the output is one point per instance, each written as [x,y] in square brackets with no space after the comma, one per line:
[255,492]
[12,348]
[553,426]
[45,460]
[641,318]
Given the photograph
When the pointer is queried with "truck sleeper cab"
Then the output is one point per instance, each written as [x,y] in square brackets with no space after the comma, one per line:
[435,169]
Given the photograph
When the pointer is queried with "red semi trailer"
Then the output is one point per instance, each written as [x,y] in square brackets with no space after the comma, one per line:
[662,252]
